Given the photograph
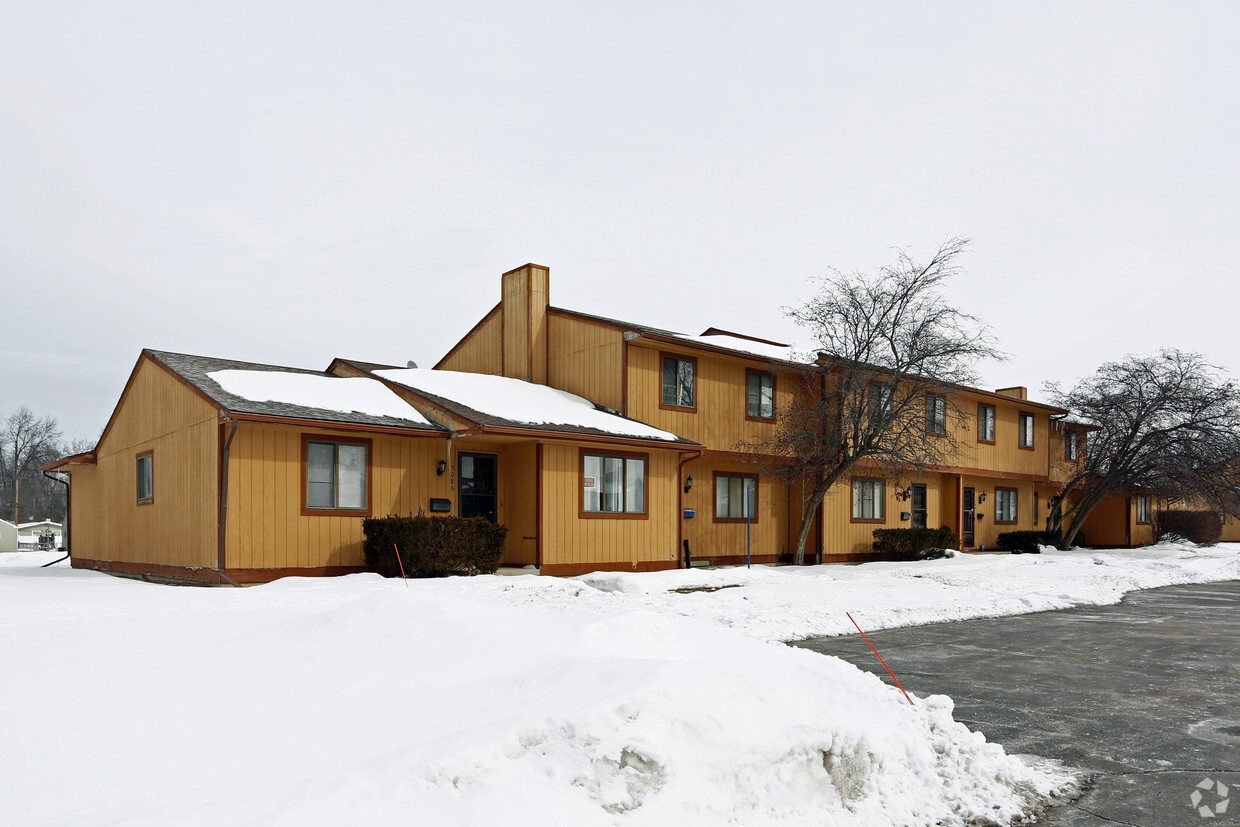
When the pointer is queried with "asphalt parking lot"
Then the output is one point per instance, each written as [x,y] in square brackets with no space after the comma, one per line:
[1141,696]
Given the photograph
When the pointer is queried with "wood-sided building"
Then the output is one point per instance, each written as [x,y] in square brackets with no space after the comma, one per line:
[218,470]
[725,390]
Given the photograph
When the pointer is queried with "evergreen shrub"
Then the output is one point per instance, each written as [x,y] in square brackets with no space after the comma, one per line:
[914,543]
[433,546]
[1201,527]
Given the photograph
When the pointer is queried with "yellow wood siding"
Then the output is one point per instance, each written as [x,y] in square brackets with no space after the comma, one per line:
[266,528]
[568,538]
[481,351]
[843,536]
[767,536]
[159,414]
[721,390]
[586,358]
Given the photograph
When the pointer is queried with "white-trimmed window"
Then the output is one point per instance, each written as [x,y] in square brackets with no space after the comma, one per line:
[736,497]
[613,484]
[1005,505]
[868,498]
[760,395]
[679,382]
[337,474]
[1026,430]
[146,477]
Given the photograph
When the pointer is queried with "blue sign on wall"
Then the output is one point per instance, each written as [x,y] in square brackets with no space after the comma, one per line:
[688,513]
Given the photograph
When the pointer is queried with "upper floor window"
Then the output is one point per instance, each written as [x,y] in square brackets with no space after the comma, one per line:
[336,473]
[1070,447]
[936,414]
[760,395]
[613,484]
[679,382]
[1026,430]
[986,423]
[146,477]
[1005,505]
[1143,508]
[867,500]
[736,497]
[880,402]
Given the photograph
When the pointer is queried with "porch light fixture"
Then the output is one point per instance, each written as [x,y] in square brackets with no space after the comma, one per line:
[441,467]
[688,483]
[981,498]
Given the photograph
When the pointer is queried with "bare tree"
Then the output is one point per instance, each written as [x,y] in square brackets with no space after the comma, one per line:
[1166,425]
[27,443]
[892,354]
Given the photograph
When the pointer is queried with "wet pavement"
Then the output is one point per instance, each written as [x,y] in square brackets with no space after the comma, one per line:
[1141,696]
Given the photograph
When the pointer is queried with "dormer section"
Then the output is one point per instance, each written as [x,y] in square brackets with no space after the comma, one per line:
[525,295]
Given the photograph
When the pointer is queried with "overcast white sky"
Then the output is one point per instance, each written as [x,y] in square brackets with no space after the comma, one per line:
[288,182]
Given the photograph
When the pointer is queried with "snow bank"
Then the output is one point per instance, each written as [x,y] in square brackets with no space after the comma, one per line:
[359,700]
[329,393]
[519,401]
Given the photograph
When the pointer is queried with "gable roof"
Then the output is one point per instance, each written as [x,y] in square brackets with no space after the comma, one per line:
[500,405]
[237,387]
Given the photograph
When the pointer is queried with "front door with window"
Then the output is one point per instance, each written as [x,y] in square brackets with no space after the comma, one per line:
[966,517]
[919,505]
[475,480]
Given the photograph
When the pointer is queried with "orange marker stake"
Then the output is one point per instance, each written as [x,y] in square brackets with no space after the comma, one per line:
[406,579]
[880,660]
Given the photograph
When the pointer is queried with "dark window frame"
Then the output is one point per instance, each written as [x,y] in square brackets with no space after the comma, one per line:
[678,357]
[1015,492]
[583,513]
[149,457]
[319,511]
[760,374]
[880,501]
[981,437]
[936,414]
[718,475]
[1020,431]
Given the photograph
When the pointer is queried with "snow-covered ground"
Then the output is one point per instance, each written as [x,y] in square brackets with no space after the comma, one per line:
[601,700]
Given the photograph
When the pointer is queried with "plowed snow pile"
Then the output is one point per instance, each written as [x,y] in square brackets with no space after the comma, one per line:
[598,701]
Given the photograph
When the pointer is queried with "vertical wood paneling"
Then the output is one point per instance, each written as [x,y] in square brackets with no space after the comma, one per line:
[586,358]
[570,538]
[157,414]
[481,351]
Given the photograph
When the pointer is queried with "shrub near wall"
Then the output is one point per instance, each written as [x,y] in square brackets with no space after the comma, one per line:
[433,546]
[1201,527]
[1027,542]
[913,543]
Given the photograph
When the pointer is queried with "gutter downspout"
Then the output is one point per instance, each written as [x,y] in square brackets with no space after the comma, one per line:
[68,517]
[681,562]
[220,551]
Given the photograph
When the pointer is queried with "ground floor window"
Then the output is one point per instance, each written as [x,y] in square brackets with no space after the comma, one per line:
[867,500]
[1005,505]
[736,497]
[1143,508]
[336,474]
[613,483]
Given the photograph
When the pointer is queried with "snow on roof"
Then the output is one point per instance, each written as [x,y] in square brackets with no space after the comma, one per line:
[779,353]
[519,401]
[330,393]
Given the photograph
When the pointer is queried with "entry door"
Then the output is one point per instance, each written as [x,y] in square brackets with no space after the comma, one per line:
[919,506]
[966,517]
[475,480]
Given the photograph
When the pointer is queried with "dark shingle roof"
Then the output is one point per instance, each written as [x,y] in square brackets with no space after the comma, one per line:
[194,370]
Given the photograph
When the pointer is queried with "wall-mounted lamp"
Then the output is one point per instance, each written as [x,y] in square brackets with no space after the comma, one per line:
[688,483]
[981,498]
[904,494]
[441,467]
